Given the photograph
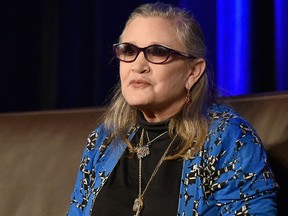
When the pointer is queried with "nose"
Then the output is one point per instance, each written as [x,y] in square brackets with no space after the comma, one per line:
[140,65]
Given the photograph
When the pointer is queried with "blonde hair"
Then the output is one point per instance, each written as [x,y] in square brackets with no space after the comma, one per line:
[190,124]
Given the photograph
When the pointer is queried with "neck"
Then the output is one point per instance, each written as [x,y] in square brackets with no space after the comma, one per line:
[154,117]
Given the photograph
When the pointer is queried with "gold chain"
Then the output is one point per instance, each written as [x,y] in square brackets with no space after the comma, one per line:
[144,150]
[157,137]
[139,202]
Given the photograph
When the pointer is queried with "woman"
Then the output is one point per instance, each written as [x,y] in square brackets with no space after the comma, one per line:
[165,147]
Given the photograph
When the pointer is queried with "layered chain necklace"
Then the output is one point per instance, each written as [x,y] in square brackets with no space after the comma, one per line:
[144,150]
[139,202]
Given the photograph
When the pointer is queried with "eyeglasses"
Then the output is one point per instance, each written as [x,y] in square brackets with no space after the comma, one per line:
[156,54]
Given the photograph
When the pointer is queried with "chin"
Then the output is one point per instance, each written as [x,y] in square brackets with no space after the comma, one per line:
[137,100]
[138,103]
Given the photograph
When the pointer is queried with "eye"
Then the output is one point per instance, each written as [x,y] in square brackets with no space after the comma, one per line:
[127,49]
[157,50]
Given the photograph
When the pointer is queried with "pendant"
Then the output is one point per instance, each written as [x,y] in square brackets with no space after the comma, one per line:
[142,151]
[138,205]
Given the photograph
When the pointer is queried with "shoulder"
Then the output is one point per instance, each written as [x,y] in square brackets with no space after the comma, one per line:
[96,145]
[223,120]
[222,116]
[229,132]
[96,138]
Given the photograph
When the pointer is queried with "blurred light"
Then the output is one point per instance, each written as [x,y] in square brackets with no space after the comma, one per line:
[281,37]
[233,47]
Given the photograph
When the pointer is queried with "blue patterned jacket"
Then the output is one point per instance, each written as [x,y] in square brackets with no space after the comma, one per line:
[229,176]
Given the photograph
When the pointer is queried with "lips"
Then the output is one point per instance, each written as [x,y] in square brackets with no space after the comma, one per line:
[139,83]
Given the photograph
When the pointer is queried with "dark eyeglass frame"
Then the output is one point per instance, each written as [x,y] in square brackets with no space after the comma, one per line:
[144,49]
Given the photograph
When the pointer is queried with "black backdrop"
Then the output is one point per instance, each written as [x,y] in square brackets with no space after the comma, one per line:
[57,54]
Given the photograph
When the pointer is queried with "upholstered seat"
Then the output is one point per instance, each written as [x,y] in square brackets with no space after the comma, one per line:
[40,152]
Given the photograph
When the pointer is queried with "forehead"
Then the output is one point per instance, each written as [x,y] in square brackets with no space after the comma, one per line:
[144,31]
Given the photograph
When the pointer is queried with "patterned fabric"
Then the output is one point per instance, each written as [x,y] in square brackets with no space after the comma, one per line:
[229,176]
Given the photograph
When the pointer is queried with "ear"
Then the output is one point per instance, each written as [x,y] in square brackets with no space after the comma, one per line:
[196,70]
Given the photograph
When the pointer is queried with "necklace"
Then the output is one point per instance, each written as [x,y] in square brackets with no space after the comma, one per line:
[144,150]
[139,202]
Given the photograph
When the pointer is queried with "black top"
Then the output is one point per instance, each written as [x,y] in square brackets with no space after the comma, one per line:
[161,198]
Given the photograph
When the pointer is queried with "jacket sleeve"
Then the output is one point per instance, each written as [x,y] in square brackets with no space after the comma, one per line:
[243,182]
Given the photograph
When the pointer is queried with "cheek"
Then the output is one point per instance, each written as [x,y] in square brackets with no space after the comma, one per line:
[176,78]
[175,82]
[123,72]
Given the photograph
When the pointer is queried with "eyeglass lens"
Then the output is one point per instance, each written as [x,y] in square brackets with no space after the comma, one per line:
[155,53]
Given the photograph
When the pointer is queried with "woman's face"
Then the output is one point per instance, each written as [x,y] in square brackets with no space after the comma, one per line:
[158,90]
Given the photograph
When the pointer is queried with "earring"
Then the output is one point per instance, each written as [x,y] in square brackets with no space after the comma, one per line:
[188,98]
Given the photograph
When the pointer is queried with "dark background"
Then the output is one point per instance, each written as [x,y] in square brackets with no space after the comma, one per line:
[57,54]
